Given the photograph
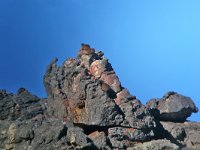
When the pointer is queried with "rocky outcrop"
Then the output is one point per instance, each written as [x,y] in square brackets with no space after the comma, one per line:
[88,109]
[26,123]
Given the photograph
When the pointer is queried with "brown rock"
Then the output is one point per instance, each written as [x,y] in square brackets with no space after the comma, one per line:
[99,139]
[105,87]
[112,80]
[122,97]
[97,68]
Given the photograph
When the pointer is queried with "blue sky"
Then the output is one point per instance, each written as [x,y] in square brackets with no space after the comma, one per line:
[154,46]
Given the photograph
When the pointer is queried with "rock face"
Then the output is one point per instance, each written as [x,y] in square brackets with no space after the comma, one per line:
[88,109]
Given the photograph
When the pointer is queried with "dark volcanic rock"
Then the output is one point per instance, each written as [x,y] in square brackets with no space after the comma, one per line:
[88,92]
[84,84]
[21,105]
[26,123]
[127,137]
[100,140]
[172,107]
[188,133]
[88,109]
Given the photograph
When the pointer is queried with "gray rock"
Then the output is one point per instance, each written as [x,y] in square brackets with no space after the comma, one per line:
[100,140]
[155,145]
[188,133]
[175,129]
[20,106]
[173,107]
[127,137]
[81,94]
[4,125]
[77,138]
[135,114]
[53,132]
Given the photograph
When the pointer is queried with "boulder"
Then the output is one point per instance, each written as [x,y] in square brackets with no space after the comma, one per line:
[172,107]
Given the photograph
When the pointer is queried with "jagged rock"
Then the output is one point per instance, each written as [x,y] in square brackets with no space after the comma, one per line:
[88,109]
[175,129]
[187,133]
[83,88]
[172,107]
[112,80]
[51,130]
[7,105]
[19,135]
[136,115]
[87,55]
[127,137]
[87,89]
[19,106]
[4,125]
[73,85]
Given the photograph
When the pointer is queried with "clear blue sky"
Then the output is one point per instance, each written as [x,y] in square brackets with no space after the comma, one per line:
[154,46]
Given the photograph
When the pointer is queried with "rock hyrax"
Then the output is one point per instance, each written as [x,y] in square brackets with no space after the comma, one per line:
[86,50]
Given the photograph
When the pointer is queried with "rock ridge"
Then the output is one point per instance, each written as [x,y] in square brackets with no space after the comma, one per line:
[88,108]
